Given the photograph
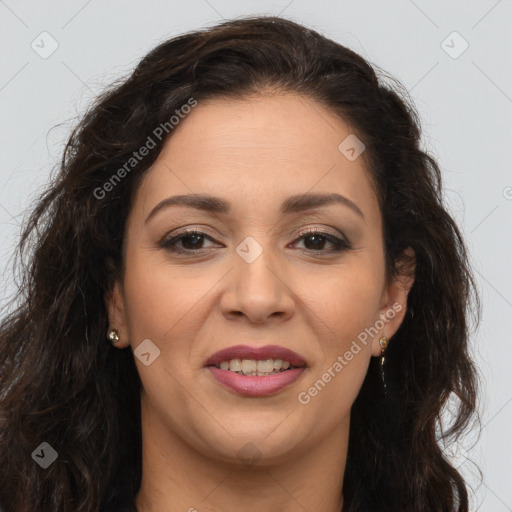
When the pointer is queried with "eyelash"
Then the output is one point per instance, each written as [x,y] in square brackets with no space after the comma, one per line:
[339,244]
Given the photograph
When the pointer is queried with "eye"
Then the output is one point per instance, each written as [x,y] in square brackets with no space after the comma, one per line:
[315,240]
[191,240]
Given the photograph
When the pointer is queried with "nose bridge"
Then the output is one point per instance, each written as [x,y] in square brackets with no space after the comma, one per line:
[257,290]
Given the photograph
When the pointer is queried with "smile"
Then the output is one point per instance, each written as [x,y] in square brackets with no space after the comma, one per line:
[254,367]
[258,371]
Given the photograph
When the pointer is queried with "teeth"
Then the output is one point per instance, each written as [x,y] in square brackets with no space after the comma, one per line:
[248,366]
[265,366]
[235,365]
[254,367]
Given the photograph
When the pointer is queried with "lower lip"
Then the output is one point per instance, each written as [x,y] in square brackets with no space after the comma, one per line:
[254,385]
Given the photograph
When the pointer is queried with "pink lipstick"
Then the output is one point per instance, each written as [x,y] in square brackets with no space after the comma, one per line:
[254,371]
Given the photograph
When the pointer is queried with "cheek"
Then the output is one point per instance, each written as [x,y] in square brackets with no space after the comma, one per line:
[163,304]
[161,297]
[347,307]
[347,298]
[354,308]
[347,304]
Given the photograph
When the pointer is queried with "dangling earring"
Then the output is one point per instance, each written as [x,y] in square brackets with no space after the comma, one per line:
[384,344]
[113,335]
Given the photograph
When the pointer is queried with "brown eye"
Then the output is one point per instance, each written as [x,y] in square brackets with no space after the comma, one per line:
[191,241]
[316,240]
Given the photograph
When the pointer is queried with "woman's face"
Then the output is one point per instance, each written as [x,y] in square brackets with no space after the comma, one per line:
[255,277]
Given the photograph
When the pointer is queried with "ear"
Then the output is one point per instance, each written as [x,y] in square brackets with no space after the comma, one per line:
[394,299]
[116,311]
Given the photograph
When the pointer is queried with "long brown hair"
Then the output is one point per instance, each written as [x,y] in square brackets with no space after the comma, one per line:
[63,383]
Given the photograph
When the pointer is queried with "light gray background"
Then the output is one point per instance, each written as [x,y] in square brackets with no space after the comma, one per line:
[465,104]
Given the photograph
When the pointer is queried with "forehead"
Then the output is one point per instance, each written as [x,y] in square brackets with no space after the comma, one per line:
[267,126]
[256,152]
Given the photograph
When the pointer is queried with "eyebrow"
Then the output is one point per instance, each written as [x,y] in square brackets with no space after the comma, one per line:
[293,204]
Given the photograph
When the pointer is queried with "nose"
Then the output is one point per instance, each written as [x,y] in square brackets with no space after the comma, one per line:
[258,292]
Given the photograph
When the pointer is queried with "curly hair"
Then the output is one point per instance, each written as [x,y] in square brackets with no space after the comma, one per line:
[63,383]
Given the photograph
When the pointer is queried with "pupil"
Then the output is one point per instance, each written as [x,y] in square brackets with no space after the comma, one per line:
[319,241]
[193,245]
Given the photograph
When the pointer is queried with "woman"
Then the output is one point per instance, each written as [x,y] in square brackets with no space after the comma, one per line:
[244,294]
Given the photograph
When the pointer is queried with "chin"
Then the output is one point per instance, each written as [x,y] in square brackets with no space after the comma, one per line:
[251,444]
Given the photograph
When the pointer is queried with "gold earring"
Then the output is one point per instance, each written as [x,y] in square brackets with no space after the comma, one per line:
[384,344]
[113,335]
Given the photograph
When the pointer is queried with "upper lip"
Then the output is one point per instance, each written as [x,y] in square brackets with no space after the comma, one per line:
[258,353]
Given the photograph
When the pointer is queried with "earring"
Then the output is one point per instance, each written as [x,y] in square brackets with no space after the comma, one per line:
[384,344]
[113,335]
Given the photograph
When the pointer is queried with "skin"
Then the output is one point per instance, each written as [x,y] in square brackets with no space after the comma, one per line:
[254,153]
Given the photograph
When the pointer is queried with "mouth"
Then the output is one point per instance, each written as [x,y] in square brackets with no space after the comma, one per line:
[256,371]
[253,367]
